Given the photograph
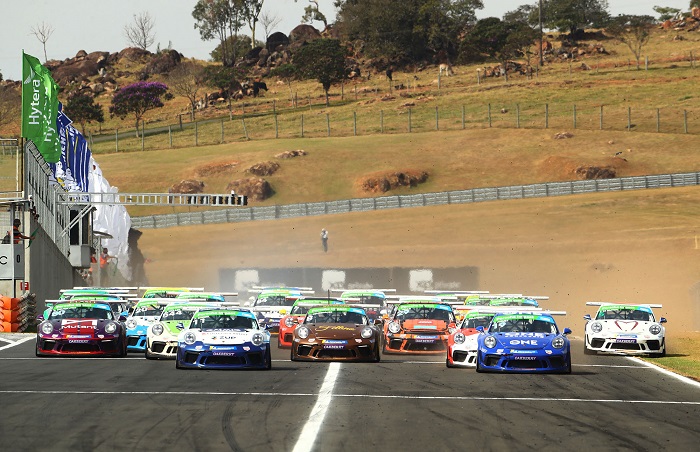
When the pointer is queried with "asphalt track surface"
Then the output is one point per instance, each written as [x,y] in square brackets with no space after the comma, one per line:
[403,403]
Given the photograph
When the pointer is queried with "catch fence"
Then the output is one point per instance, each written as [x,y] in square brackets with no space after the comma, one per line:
[416,200]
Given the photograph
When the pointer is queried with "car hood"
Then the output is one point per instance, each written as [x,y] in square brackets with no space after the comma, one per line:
[80,327]
[424,325]
[524,341]
[223,336]
[625,326]
[336,330]
[175,327]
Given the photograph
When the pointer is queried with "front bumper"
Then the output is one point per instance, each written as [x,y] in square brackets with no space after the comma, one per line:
[108,346]
[239,356]
[161,348]
[627,345]
[461,357]
[335,350]
[419,344]
[554,362]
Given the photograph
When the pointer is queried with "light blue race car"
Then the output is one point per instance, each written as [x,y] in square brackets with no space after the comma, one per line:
[523,343]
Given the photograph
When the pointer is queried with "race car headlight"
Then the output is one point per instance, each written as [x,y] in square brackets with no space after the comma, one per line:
[460,338]
[655,329]
[367,332]
[190,338]
[47,328]
[111,328]
[490,342]
[258,339]
[596,327]
[289,322]
[394,327]
[131,324]
[302,332]
[558,342]
[157,329]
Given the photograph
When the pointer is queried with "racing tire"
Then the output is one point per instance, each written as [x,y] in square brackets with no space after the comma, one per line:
[39,355]
[291,354]
[268,359]
[568,365]
[177,364]
[447,363]
[279,344]
[377,355]
[586,350]
[478,363]
[148,354]
[122,353]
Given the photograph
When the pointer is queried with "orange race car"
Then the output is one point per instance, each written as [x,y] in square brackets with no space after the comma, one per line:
[419,325]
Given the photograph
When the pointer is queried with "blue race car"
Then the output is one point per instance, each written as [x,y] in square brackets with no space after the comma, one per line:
[223,339]
[524,343]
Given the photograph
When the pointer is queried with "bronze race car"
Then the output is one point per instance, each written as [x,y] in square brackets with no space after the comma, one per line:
[336,333]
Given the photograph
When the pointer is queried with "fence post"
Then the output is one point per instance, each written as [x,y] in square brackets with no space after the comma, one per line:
[381,121]
[464,122]
[601,117]
[196,134]
[409,119]
[354,123]
[116,140]
[274,107]
[685,121]
[276,127]
[517,116]
[302,125]
[355,92]
[646,63]
[170,135]
[658,120]
[629,119]
[143,135]
[574,116]
[437,119]
[308,96]
[179,117]
[478,76]
[222,130]
[546,116]
[342,90]
[489,115]
[328,123]
[245,130]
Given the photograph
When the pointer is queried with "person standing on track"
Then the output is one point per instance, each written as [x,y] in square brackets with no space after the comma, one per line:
[324,240]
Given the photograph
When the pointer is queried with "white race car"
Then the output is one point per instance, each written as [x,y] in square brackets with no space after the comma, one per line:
[625,328]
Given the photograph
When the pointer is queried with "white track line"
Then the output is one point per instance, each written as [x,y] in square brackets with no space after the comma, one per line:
[328,396]
[313,425]
[649,365]
[21,341]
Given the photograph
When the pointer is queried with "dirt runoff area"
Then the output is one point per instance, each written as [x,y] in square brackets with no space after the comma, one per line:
[636,247]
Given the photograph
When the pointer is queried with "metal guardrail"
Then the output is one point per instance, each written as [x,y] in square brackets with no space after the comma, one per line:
[241,214]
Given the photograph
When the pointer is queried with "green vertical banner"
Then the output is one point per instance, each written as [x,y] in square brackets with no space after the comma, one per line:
[39,108]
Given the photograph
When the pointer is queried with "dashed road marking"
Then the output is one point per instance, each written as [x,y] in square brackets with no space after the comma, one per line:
[313,425]
[15,343]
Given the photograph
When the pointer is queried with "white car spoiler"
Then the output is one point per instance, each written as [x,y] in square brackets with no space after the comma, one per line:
[602,303]
[223,294]
[364,290]
[495,309]
[397,299]
[458,293]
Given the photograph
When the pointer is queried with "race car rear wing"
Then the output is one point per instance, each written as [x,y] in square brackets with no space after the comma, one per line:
[515,295]
[223,294]
[491,309]
[297,289]
[603,303]
[364,290]
[457,293]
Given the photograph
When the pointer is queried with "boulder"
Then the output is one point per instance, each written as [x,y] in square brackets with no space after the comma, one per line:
[381,183]
[134,54]
[188,187]
[290,154]
[255,188]
[264,168]
[303,33]
[275,40]
[163,63]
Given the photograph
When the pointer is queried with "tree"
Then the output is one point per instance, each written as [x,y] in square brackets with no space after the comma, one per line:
[501,40]
[269,21]
[312,13]
[694,4]
[286,72]
[42,32]
[10,104]
[666,13]
[220,19]
[574,16]
[252,9]
[140,32]
[322,59]
[137,99]
[81,108]
[410,29]
[633,31]
[234,45]
[224,78]
[186,80]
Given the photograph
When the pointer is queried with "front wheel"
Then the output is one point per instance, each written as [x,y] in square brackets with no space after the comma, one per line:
[377,355]
[586,350]
[448,364]
[268,359]
[291,353]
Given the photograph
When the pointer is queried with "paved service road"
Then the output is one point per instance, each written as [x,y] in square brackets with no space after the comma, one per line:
[403,403]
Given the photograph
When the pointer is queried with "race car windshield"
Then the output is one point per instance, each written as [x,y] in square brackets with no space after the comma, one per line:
[424,313]
[336,317]
[299,310]
[272,300]
[215,322]
[81,312]
[625,314]
[148,311]
[522,326]
[364,299]
[176,314]
[474,322]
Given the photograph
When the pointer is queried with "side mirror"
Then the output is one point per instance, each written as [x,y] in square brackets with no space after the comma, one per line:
[587,317]
[247,303]
[40,318]
[122,318]
[567,331]
[378,321]
[480,329]
[663,320]
[283,311]
[452,325]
